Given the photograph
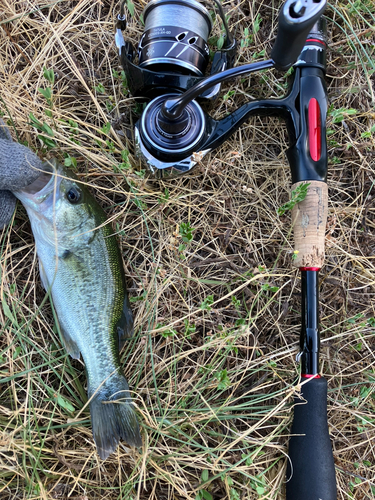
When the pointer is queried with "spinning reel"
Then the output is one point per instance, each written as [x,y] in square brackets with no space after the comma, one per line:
[172,57]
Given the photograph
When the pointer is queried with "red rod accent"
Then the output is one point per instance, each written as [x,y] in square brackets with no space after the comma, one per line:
[307,375]
[315,40]
[309,268]
[315,130]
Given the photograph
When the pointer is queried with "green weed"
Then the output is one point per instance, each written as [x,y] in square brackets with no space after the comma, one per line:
[298,195]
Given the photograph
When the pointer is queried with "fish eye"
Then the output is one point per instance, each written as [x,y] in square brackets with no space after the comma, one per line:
[74,195]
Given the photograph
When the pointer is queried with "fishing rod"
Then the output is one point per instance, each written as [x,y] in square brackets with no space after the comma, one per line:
[174,133]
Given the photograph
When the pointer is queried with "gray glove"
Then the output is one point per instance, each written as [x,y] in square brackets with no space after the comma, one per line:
[19,167]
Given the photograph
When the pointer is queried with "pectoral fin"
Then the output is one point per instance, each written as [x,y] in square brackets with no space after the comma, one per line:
[125,325]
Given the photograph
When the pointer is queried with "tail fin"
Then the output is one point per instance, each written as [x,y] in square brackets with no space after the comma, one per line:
[113,416]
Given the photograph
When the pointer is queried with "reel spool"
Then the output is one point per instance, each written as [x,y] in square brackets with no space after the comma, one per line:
[175,37]
[173,53]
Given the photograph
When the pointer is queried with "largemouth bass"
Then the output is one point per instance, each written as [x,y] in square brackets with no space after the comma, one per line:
[80,265]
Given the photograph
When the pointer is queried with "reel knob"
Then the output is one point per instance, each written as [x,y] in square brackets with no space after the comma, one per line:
[174,127]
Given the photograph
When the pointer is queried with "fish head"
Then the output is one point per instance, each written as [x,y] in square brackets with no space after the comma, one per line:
[60,208]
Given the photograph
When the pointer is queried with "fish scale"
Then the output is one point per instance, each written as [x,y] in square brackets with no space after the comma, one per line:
[81,267]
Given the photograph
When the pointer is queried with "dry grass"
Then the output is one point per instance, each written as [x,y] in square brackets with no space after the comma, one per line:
[229,442]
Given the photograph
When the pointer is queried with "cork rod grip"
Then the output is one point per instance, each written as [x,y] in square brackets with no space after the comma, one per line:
[309,219]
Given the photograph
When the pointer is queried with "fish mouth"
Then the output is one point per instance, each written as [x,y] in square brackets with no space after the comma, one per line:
[39,190]
[38,185]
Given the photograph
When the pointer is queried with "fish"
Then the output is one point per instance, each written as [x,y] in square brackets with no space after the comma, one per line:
[81,268]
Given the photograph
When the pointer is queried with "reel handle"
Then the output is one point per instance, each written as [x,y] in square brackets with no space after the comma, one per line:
[311,468]
[296,19]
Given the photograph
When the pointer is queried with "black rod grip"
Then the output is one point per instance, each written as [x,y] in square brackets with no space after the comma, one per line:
[311,470]
[296,19]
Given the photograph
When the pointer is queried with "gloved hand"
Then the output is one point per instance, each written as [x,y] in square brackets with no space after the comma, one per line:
[19,167]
